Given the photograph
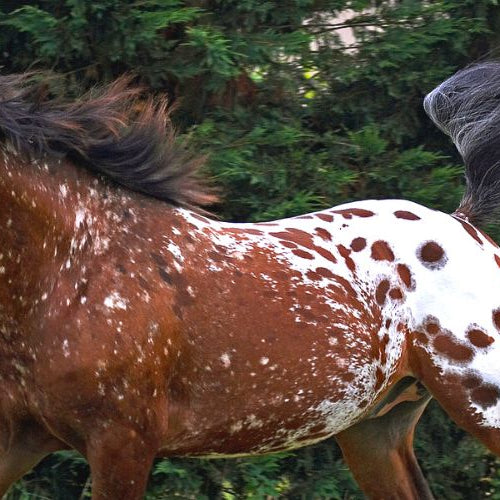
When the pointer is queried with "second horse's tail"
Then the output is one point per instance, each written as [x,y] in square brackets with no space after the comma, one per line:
[467,108]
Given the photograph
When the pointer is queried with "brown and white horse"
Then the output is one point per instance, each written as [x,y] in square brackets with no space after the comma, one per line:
[131,326]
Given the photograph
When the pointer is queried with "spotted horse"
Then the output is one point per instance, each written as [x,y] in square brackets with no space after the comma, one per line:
[132,325]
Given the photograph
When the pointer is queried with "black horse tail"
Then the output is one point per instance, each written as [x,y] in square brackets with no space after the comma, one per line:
[467,108]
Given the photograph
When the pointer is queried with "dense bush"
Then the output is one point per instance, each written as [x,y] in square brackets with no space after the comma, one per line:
[293,119]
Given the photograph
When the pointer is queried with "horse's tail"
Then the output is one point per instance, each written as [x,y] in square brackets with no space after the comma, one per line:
[467,108]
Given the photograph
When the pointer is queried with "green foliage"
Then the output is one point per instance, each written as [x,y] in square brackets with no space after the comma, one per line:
[261,477]
[214,55]
[293,118]
[171,478]
[37,23]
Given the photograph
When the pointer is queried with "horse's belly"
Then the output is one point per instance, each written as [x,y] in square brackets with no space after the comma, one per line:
[262,421]
[278,381]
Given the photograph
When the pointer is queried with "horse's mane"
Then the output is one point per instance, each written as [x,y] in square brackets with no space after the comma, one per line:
[111,131]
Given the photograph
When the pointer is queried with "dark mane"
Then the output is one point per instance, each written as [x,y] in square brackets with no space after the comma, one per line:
[111,131]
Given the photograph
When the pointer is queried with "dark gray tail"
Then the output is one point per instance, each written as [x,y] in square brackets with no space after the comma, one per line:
[467,108]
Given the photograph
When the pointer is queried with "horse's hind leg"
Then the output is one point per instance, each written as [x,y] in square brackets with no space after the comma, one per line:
[120,461]
[379,452]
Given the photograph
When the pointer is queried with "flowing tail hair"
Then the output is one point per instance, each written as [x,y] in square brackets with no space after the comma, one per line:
[467,108]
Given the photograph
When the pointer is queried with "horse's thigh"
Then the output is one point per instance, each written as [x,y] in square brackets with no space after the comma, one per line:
[470,399]
[379,452]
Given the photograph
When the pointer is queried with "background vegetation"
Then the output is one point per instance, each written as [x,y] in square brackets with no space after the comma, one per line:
[294,118]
